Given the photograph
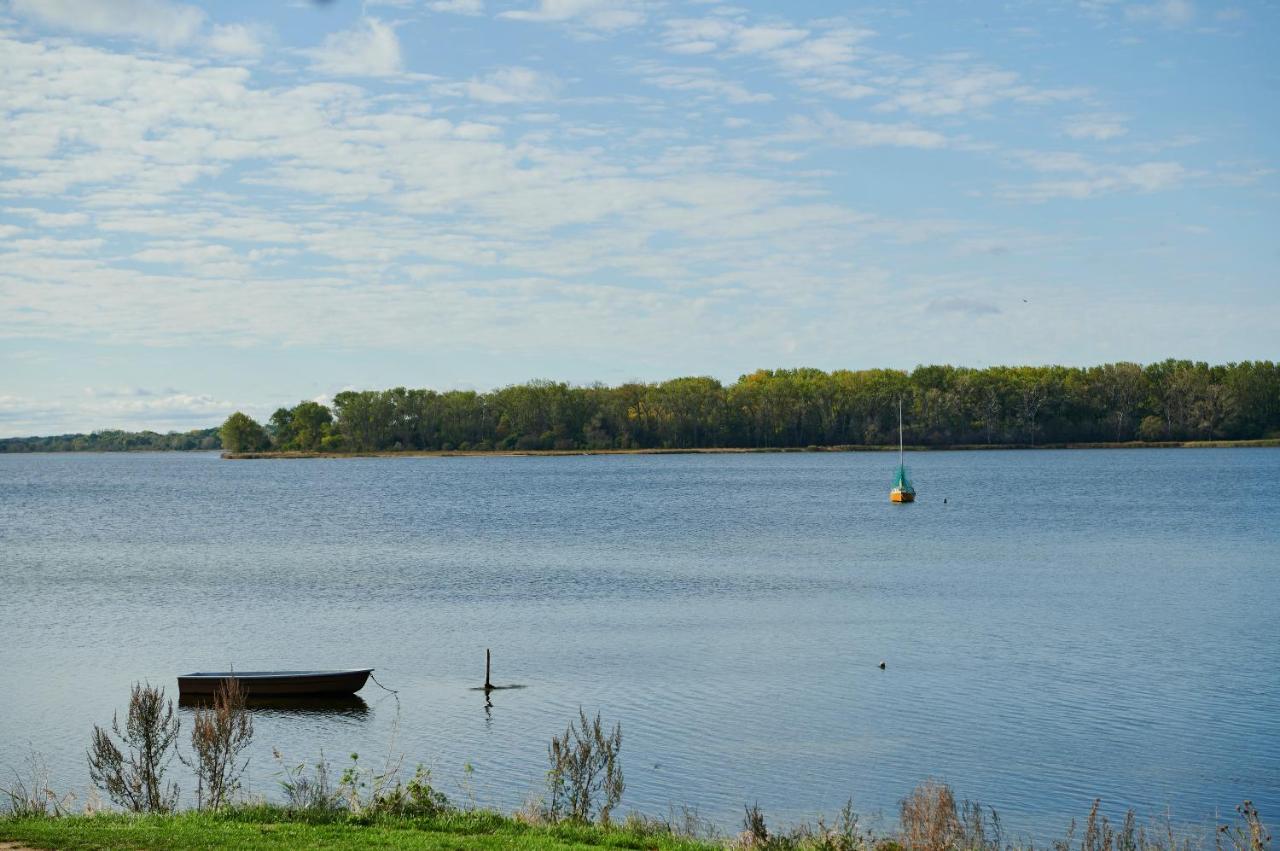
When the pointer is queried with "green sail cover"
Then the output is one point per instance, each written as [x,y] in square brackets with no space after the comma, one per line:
[901,482]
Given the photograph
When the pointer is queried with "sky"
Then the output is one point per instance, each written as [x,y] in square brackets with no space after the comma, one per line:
[241,205]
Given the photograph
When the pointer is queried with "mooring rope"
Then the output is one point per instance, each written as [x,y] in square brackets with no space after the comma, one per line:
[380,685]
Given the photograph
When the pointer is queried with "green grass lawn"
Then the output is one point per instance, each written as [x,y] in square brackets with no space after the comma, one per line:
[271,829]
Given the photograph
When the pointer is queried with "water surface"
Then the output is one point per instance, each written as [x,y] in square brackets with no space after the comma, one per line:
[1066,625]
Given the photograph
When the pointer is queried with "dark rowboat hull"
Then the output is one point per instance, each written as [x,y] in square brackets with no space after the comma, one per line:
[277,683]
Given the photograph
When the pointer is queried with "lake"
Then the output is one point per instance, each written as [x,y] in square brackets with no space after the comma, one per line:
[1065,625]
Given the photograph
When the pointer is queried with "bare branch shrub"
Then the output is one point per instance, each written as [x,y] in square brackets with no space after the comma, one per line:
[584,781]
[134,777]
[29,796]
[928,817]
[220,733]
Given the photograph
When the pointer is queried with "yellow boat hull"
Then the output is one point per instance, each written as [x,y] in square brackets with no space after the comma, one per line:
[896,495]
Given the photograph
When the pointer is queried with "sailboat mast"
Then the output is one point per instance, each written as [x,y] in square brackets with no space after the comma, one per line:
[899,431]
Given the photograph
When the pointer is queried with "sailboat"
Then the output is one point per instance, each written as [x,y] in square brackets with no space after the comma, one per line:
[902,490]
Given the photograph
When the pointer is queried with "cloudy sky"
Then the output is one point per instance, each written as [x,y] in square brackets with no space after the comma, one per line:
[240,205]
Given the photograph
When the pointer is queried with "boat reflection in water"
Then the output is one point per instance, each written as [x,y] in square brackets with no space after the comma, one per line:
[331,704]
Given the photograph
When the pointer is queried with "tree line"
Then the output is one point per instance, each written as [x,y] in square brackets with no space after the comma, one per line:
[116,441]
[943,406]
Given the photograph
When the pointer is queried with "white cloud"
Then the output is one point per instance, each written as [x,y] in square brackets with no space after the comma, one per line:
[966,306]
[819,58]
[1090,179]
[759,39]
[235,40]
[509,85]
[1097,127]
[699,82]
[605,15]
[458,7]
[157,21]
[52,220]
[100,409]
[953,88]
[198,258]
[831,129]
[1168,13]
[697,35]
[370,49]
[256,206]
[377,208]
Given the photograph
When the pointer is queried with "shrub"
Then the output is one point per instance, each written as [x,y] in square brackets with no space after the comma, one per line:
[928,818]
[584,781]
[219,735]
[417,798]
[134,778]
[754,830]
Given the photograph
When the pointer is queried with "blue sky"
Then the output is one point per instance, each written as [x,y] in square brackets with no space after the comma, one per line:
[241,205]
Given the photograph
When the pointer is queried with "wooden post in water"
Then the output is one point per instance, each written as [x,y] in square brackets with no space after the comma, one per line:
[487,685]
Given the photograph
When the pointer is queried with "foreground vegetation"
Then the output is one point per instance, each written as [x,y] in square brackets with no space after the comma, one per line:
[376,808]
[945,406]
[930,820]
[265,827]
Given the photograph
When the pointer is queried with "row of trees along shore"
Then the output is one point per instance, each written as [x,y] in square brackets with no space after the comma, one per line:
[116,441]
[943,406]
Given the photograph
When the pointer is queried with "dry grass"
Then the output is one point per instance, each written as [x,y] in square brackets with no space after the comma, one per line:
[929,819]
[30,793]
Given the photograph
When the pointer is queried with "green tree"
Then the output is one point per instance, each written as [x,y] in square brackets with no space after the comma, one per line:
[241,433]
[310,425]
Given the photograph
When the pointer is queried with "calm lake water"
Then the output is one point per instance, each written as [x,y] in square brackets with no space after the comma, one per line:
[1066,625]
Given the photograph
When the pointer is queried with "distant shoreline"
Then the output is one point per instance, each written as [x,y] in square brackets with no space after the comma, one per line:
[969,447]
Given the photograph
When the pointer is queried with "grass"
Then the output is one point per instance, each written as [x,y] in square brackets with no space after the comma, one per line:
[268,827]
[931,820]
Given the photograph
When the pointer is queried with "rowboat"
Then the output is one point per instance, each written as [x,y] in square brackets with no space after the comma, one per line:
[265,683]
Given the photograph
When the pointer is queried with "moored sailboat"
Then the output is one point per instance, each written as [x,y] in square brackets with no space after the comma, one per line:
[902,490]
